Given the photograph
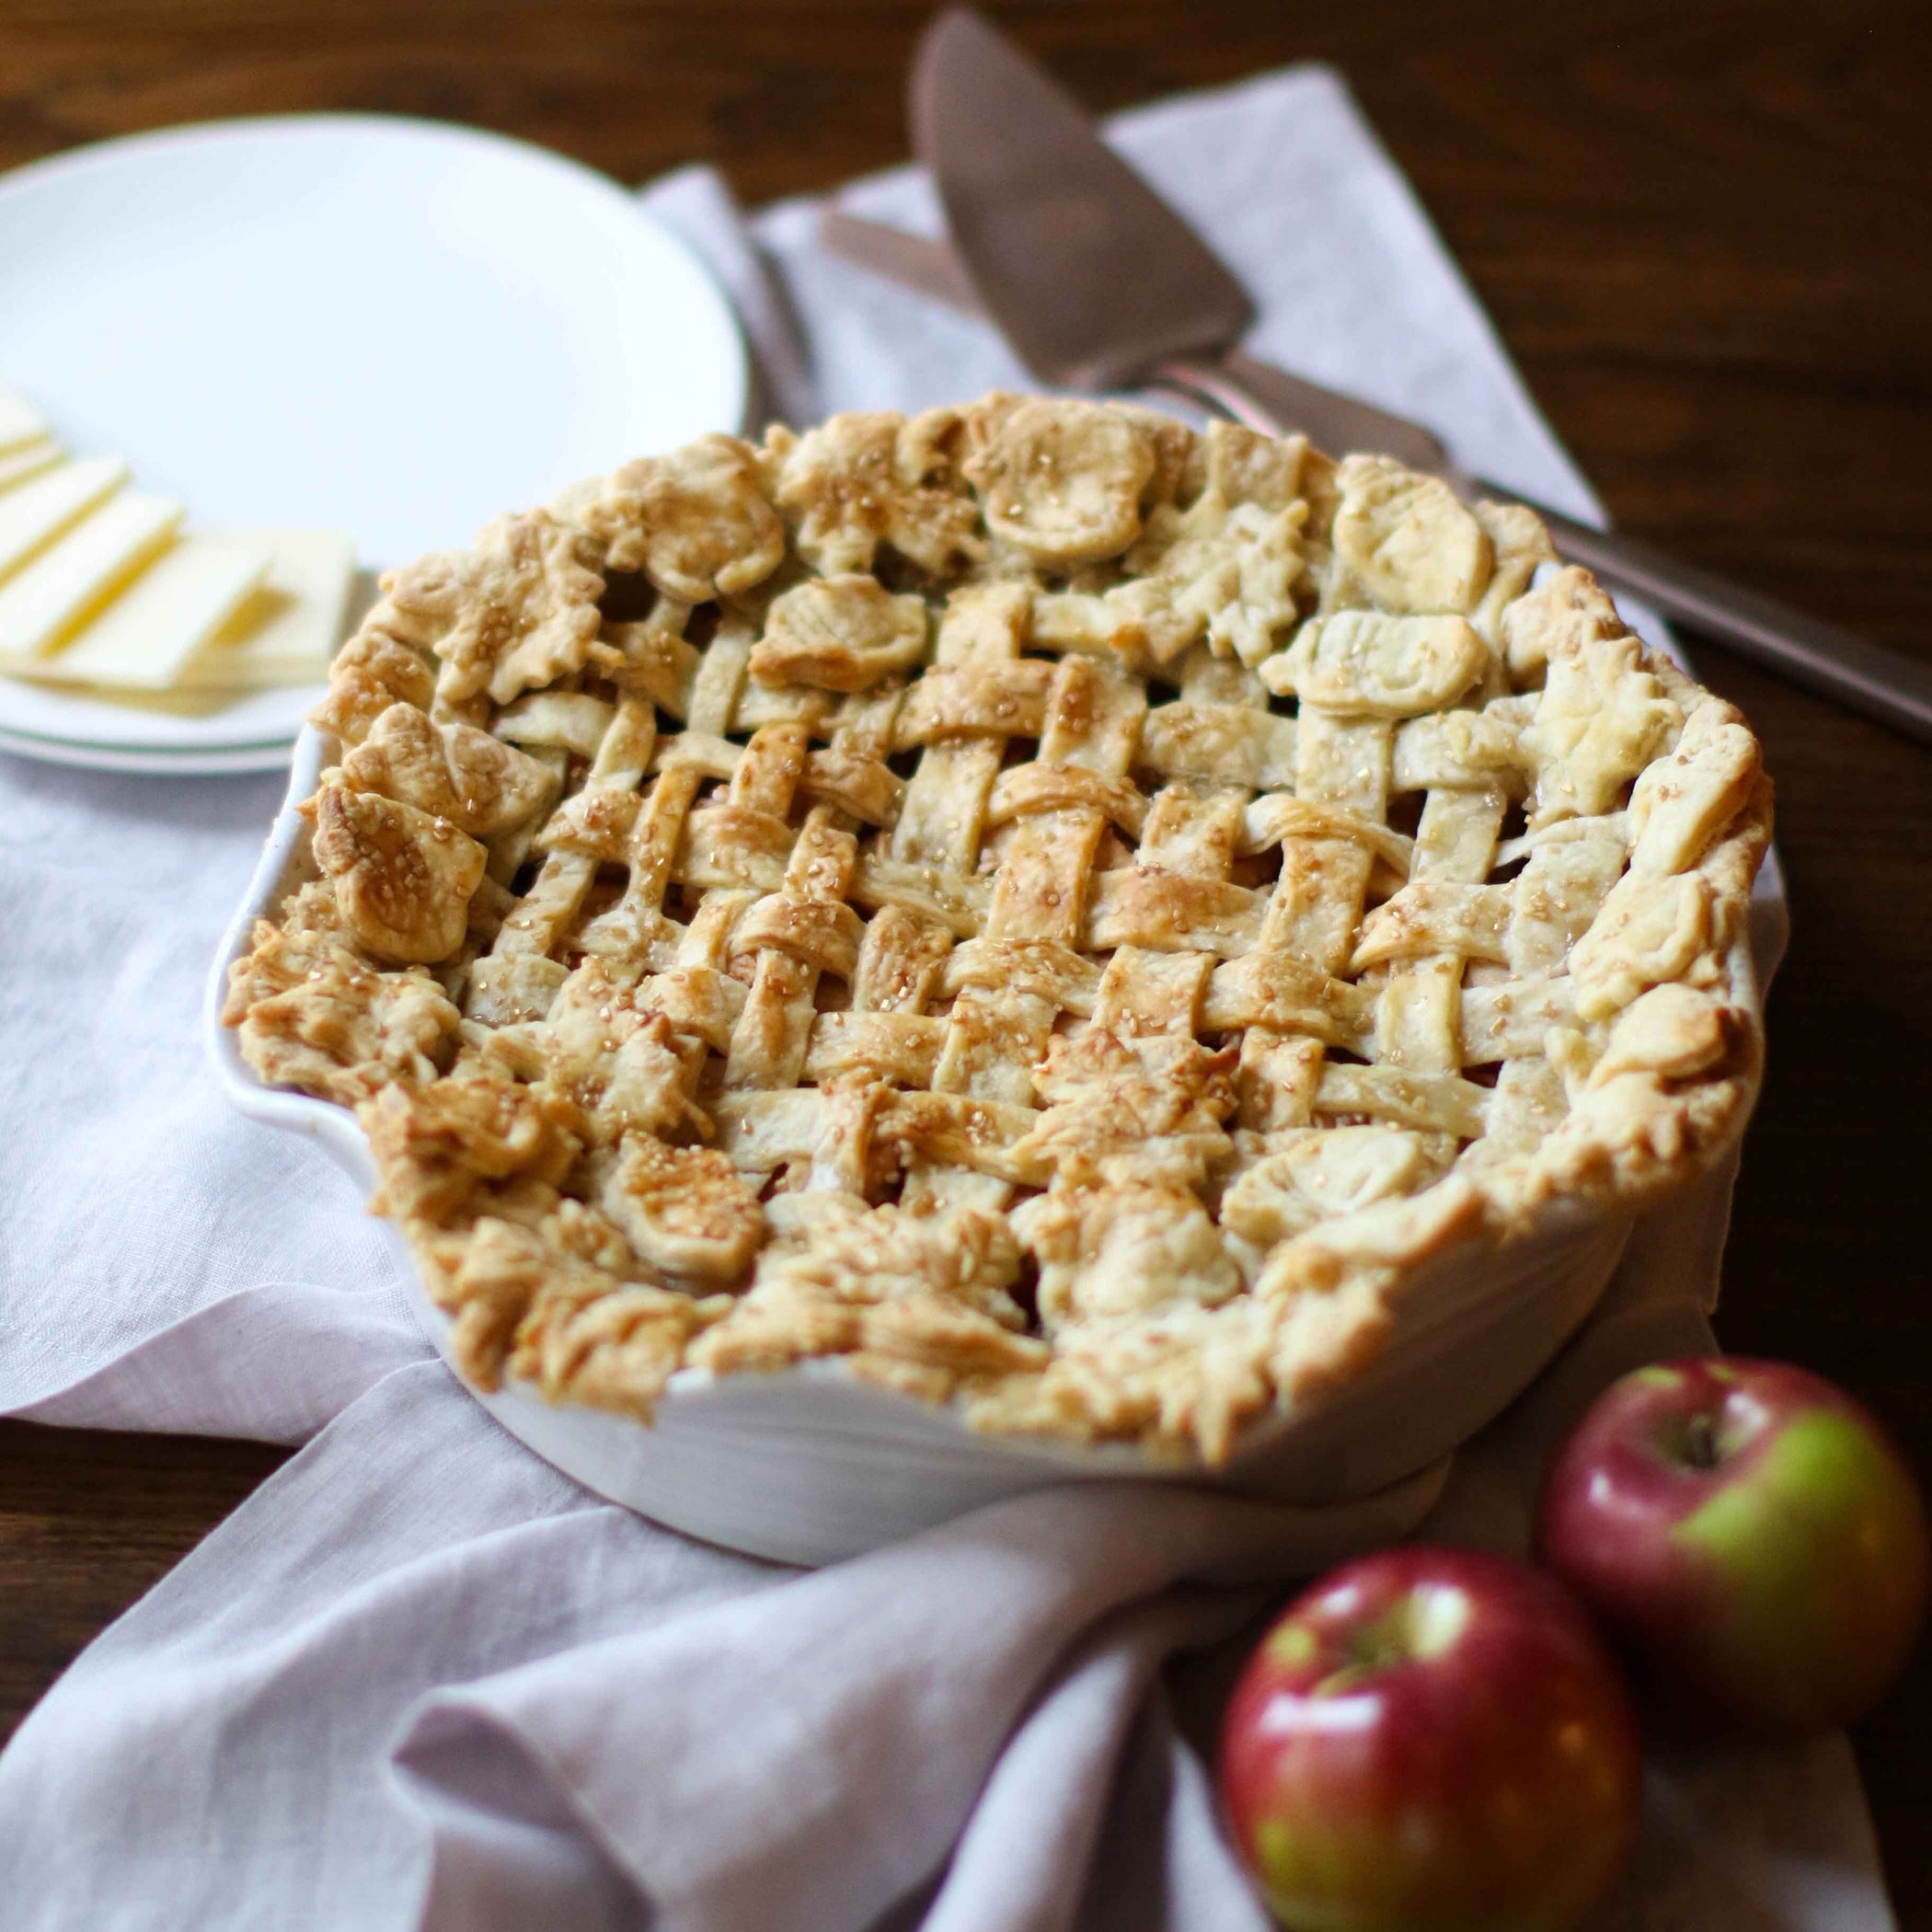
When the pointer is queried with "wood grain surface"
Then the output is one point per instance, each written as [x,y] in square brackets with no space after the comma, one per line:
[1705,232]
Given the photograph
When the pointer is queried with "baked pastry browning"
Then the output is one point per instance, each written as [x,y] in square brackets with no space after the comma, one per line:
[1061,913]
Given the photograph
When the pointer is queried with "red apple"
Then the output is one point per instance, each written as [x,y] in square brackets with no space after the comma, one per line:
[1752,1532]
[1430,1737]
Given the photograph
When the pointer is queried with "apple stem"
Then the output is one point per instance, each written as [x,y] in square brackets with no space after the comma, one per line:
[1700,1448]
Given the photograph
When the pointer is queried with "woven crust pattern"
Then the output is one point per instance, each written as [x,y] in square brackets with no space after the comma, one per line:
[1063,913]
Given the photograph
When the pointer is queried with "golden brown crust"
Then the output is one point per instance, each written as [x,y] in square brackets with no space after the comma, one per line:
[695,522]
[517,610]
[403,878]
[1062,913]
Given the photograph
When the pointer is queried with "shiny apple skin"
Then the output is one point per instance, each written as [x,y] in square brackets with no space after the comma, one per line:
[1453,1776]
[1779,1591]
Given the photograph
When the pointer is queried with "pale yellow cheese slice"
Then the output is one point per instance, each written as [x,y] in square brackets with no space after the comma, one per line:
[29,459]
[32,514]
[161,703]
[289,629]
[19,422]
[78,573]
[141,639]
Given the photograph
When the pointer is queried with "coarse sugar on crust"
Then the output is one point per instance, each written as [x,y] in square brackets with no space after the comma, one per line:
[1059,912]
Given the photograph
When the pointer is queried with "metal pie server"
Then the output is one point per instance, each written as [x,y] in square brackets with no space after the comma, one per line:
[1098,284]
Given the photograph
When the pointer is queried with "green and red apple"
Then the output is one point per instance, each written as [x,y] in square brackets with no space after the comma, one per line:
[1751,1532]
[1430,1738]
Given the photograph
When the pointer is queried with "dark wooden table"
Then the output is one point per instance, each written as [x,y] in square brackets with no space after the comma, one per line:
[1705,230]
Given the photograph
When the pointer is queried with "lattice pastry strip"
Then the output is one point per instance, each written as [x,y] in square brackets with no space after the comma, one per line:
[1060,913]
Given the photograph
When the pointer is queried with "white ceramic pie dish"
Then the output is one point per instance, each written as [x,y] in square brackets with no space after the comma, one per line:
[808,1466]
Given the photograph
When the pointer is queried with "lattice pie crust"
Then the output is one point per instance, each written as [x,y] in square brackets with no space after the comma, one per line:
[1059,912]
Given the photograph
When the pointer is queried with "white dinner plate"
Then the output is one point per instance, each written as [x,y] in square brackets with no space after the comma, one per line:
[391,328]
[251,734]
[203,762]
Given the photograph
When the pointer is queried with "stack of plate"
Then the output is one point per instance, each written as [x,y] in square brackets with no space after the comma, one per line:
[254,732]
[386,328]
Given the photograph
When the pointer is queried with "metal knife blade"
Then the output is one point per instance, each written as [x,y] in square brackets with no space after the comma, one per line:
[1089,274]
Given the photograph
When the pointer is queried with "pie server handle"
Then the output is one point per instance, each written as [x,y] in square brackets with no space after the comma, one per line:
[1826,658]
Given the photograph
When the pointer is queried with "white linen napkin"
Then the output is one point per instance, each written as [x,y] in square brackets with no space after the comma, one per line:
[421,1680]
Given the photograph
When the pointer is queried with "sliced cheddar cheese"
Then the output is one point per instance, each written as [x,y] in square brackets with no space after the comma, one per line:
[142,639]
[79,572]
[32,514]
[289,629]
[19,422]
[29,459]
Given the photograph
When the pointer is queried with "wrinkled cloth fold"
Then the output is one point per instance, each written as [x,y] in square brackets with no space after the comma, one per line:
[420,1679]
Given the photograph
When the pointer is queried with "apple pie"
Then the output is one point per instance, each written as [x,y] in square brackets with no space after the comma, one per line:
[1062,913]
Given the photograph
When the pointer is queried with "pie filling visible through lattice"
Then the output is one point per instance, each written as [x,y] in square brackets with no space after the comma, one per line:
[1059,912]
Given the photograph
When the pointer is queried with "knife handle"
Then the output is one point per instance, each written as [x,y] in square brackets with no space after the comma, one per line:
[1838,663]
[1862,676]
[1272,401]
